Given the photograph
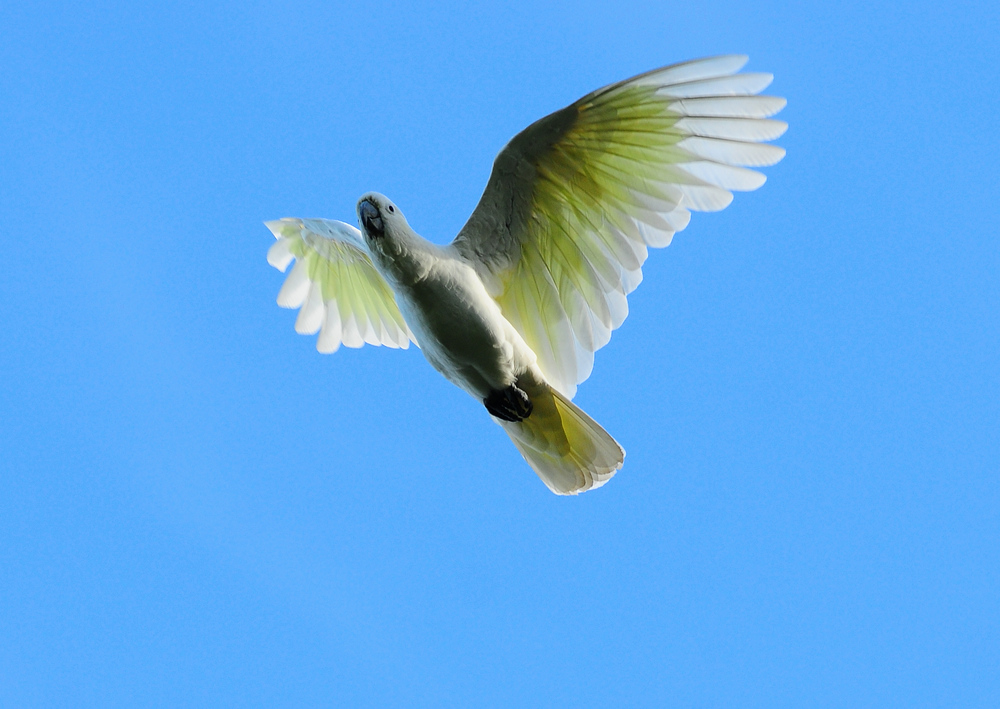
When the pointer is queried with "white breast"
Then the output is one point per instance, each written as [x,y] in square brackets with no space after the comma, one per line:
[461,330]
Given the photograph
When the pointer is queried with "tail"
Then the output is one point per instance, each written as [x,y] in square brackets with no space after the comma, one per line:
[568,450]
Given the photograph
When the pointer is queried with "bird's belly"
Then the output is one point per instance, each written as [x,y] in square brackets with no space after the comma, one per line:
[462,332]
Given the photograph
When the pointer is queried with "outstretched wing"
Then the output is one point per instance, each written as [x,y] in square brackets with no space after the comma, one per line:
[560,234]
[335,284]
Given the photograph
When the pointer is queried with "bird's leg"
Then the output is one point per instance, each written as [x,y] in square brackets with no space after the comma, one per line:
[510,404]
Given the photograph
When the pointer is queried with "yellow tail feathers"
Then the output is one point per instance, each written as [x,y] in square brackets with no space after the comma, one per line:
[568,450]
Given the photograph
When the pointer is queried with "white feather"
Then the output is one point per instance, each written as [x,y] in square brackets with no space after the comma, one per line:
[694,70]
[311,316]
[726,176]
[706,198]
[329,337]
[750,129]
[657,238]
[729,106]
[737,85]
[731,152]
[279,254]
[296,287]
[678,220]
[350,334]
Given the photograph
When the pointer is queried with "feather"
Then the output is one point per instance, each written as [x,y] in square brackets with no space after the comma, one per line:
[296,287]
[747,84]
[279,255]
[760,129]
[732,152]
[725,176]
[312,313]
[330,336]
[728,106]
[693,71]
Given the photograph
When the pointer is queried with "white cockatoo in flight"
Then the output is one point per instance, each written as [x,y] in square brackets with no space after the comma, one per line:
[514,308]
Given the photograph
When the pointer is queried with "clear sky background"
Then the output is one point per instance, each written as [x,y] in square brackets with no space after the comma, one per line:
[198,509]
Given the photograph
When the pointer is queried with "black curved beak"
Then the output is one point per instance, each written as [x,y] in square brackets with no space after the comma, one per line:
[371,220]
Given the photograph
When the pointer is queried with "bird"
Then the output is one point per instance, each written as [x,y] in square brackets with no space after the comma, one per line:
[514,308]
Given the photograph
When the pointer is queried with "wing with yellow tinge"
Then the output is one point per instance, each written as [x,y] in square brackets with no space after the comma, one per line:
[561,232]
[335,284]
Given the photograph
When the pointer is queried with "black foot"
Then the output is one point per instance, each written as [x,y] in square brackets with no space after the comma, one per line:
[510,404]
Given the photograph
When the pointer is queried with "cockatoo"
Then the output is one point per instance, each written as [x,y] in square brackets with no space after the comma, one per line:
[513,310]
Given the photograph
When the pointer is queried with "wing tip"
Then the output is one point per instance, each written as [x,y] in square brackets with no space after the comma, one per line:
[279,255]
[277,226]
[733,62]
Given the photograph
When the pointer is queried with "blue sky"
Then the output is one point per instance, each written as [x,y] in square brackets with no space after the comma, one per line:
[198,509]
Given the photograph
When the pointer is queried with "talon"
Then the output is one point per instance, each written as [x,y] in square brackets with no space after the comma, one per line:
[510,404]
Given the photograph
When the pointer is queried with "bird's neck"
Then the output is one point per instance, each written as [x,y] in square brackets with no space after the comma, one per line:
[406,259]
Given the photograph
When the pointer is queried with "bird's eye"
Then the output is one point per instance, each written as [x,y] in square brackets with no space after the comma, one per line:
[392,210]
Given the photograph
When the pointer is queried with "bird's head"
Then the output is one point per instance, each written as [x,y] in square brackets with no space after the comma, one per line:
[381,222]
[392,244]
